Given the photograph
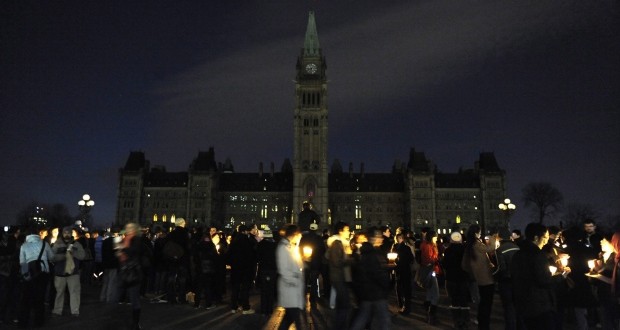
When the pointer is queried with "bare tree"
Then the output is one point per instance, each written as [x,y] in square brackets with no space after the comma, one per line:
[59,215]
[610,222]
[543,197]
[27,214]
[577,212]
[37,214]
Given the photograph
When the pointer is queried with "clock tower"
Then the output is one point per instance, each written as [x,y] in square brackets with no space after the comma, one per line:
[310,127]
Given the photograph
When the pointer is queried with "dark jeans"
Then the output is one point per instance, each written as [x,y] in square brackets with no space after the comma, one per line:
[267,291]
[133,294]
[343,305]
[512,321]
[205,288]
[32,299]
[484,308]
[312,284]
[403,290]
[458,293]
[241,281]
[291,315]
[176,284]
[378,308]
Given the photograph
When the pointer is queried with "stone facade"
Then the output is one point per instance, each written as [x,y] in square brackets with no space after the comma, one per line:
[412,195]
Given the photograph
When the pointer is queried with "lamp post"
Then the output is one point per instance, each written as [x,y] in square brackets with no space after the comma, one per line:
[507,207]
[85,204]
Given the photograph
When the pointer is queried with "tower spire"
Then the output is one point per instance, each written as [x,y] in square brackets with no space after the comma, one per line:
[311,43]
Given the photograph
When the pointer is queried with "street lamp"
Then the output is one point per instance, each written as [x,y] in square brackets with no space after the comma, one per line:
[85,204]
[507,207]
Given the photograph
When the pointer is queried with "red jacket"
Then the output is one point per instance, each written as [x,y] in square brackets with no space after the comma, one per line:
[430,255]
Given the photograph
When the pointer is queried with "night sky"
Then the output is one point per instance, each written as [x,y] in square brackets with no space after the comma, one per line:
[84,83]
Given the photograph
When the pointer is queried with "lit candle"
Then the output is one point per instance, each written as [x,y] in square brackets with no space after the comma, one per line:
[307,251]
[553,269]
[392,257]
[591,263]
[564,261]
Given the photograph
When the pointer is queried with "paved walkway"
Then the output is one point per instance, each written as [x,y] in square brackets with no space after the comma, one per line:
[99,316]
[96,315]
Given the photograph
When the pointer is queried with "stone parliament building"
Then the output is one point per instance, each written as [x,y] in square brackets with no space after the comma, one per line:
[415,194]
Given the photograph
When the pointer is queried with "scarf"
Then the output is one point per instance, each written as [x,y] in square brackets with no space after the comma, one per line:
[69,263]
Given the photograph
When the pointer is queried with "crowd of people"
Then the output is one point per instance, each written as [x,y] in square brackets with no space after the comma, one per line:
[543,278]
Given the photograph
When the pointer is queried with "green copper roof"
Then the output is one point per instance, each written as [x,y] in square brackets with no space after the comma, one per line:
[311,44]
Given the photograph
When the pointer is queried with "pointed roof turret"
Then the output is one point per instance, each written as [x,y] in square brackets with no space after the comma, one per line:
[311,43]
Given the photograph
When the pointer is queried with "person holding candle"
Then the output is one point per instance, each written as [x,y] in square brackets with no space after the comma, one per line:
[580,296]
[504,253]
[605,271]
[373,281]
[291,293]
[477,263]
[403,273]
[558,258]
[457,280]
[267,271]
[313,251]
[340,260]
[430,258]
[534,296]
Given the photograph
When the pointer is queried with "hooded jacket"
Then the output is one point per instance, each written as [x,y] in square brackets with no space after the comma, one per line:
[30,250]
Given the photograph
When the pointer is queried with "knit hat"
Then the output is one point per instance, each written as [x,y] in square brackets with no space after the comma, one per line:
[456,237]
[314,226]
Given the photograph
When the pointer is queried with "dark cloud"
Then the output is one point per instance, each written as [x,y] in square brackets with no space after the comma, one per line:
[535,82]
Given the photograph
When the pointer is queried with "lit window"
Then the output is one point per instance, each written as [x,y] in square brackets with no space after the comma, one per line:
[154,217]
[263,212]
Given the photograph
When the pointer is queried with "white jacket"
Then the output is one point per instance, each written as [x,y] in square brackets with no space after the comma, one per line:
[291,291]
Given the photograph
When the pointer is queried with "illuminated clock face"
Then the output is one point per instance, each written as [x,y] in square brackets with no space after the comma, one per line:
[311,68]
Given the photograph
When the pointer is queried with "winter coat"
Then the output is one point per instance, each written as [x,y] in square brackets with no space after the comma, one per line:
[291,288]
[206,257]
[404,262]
[429,255]
[266,255]
[451,263]
[504,254]
[479,267]
[371,274]
[337,259]
[60,249]
[98,251]
[108,258]
[313,240]
[8,255]
[241,255]
[532,281]
[30,251]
